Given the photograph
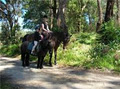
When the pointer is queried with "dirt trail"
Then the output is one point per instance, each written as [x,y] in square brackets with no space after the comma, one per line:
[54,77]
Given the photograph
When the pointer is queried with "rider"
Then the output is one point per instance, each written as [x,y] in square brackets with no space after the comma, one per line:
[41,32]
[45,27]
[37,37]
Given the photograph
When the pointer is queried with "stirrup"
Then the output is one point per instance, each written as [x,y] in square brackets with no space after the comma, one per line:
[32,53]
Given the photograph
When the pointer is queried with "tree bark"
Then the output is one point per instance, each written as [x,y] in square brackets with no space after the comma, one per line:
[99,23]
[109,10]
[54,8]
[51,15]
[61,15]
[118,11]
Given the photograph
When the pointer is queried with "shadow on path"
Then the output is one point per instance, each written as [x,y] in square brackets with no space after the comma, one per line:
[53,77]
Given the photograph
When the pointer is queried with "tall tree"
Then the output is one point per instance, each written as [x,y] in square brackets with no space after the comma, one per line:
[54,8]
[35,10]
[109,10]
[61,22]
[53,12]
[9,13]
[100,15]
[118,11]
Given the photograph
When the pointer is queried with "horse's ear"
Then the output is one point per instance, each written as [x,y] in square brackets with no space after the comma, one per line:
[65,34]
[21,38]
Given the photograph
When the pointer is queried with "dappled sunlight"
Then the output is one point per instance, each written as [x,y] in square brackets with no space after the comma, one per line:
[55,77]
[3,62]
[82,35]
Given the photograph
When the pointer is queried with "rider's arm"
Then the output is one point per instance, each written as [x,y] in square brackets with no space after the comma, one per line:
[43,27]
[48,28]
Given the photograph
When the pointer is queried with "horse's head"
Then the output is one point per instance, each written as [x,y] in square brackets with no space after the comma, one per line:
[43,46]
[66,39]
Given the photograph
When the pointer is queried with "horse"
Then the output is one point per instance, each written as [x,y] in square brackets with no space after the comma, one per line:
[54,39]
[41,51]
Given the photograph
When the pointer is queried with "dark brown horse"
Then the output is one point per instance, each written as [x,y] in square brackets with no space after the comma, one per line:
[54,39]
[41,51]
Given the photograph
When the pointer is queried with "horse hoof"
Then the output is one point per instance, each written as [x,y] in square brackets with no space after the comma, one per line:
[51,65]
[23,65]
[26,67]
[41,67]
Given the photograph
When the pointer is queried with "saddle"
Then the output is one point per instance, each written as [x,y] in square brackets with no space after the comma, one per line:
[30,46]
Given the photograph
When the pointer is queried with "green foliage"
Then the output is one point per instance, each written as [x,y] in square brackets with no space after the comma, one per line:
[77,52]
[8,37]
[81,15]
[102,53]
[5,34]
[87,38]
[10,50]
[35,10]
[110,33]
[100,59]
[102,56]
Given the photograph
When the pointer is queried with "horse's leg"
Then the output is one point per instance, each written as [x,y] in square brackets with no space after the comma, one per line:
[27,59]
[23,59]
[41,64]
[38,63]
[55,53]
[50,52]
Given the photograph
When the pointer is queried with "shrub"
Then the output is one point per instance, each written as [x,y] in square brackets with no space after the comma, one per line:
[10,50]
[110,33]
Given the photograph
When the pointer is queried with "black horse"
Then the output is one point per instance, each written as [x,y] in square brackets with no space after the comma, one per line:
[50,44]
[41,51]
[55,40]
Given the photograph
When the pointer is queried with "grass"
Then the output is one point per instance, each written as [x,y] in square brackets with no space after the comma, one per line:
[10,50]
[77,50]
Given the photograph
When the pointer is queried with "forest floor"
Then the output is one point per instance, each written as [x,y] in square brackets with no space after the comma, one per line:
[53,77]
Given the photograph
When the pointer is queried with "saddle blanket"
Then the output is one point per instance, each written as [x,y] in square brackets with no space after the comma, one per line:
[30,46]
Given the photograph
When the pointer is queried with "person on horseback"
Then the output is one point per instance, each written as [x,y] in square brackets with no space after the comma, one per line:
[37,37]
[41,33]
[45,27]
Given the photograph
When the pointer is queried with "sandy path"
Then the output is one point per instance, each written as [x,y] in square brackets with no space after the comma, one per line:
[55,77]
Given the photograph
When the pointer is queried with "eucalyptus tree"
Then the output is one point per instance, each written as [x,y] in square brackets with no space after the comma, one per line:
[100,15]
[81,15]
[109,10]
[118,11]
[61,22]
[10,11]
[34,11]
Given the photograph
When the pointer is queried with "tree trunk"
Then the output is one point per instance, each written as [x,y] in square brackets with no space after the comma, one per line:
[99,23]
[118,11]
[61,15]
[51,15]
[109,10]
[54,8]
